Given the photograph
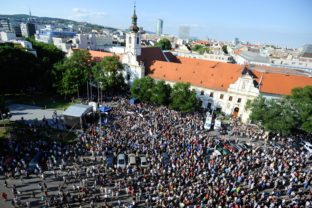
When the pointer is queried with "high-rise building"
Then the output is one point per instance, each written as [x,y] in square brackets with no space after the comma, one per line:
[28,29]
[17,30]
[159,26]
[184,32]
[5,25]
[236,41]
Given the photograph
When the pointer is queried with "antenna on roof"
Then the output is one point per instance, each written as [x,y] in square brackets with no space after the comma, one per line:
[29,12]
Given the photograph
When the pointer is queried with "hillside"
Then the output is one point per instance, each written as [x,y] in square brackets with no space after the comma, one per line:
[18,18]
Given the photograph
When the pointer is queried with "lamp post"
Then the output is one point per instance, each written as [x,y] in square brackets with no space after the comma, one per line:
[98,97]
[77,90]
[101,90]
[88,90]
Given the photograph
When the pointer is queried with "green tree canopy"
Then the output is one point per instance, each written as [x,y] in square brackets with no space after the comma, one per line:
[73,72]
[161,93]
[164,44]
[183,99]
[301,99]
[48,55]
[286,114]
[142,89]
[201,49]
[19,69]
[224,48]
[107,73]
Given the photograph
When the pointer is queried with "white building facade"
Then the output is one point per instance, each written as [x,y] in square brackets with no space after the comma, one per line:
[133,68]
[7,36]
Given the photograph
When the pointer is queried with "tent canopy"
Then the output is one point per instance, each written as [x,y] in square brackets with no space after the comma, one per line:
[77,110]
[104,109]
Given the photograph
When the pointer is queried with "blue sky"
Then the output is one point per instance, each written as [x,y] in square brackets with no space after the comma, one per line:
[282,22]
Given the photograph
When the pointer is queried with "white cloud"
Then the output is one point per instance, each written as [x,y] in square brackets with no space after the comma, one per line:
[86,14]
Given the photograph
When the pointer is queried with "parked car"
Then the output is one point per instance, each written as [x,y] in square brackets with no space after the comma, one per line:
[131,160]
[121,161]
[143,162]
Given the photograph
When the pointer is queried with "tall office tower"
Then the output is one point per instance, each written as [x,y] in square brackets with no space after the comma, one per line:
[5,25]
[159,26]
[184,32]
[236,41]
[28,29]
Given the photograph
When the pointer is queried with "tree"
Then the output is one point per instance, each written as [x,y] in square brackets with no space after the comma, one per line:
[161,93]
[164,44]
[183,99]
[286,114]
[19,69]
[3,108]
[73,72]
[142,89]
[224,48]
[48,55]
[301,101]
[201,49]
[107,73]
[279,118]
[258,108]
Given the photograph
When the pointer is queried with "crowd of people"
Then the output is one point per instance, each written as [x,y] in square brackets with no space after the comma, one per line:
[181,172]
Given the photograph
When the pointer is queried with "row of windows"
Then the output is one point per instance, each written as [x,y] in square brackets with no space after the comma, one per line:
[239,100]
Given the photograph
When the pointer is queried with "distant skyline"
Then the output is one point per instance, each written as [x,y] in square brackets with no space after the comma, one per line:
[286,23]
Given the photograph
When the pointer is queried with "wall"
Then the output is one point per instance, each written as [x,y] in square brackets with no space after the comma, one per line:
[227,101]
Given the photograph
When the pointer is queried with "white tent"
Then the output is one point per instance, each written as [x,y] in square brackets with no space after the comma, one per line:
[74,114]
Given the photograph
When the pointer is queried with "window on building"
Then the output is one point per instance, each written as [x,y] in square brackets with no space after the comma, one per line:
[230,98]
[138,40]
[221,96]
[211,94]
[243,85]
[239,100]
[128,76]
[129,40]
[202,92]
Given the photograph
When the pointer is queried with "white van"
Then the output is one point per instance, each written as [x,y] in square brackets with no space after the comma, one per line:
[143,162]
[131,160]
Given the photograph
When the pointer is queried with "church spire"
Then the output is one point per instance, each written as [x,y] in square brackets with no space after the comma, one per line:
[134,27]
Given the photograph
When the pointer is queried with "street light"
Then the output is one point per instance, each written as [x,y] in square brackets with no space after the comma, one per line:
[77,90]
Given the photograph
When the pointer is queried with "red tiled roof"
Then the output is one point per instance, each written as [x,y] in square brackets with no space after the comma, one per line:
[99,55]
[280,84]
[202,42]
[207,74]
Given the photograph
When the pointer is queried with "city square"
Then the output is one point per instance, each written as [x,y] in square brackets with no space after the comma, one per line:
[169,104]
[201,170]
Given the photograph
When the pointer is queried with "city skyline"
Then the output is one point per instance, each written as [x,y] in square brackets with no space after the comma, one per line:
[283,23]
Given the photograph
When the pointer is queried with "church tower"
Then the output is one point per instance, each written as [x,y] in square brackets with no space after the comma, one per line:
[134,68]
[133,39]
